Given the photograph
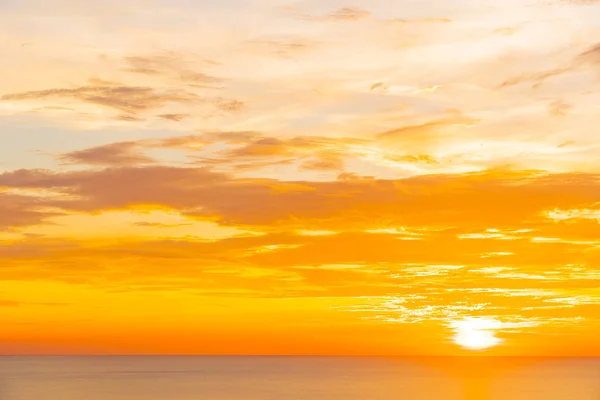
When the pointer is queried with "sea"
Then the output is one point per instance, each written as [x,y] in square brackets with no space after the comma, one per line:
[297,378]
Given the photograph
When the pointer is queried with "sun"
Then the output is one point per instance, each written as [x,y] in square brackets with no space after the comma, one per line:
[476,333]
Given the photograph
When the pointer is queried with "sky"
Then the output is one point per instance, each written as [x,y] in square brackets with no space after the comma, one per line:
[300,177]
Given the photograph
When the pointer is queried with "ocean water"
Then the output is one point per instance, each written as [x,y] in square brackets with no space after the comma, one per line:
[296,378]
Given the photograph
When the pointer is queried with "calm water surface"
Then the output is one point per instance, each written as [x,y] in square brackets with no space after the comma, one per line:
[296,378]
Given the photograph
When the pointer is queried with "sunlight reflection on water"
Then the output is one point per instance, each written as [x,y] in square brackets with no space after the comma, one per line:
[296,378]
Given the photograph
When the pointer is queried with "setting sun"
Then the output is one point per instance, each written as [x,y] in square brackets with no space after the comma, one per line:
[476,333]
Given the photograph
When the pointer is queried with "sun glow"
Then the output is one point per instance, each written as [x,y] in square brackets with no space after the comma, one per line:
[476,333]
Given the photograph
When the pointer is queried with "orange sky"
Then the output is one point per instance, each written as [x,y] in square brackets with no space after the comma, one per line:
[309,177]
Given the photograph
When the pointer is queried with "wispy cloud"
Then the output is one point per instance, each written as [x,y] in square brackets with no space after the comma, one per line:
[117,154]
[123,98]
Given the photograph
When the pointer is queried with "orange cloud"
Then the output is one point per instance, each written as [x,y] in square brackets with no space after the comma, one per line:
[17,210]
[117,154]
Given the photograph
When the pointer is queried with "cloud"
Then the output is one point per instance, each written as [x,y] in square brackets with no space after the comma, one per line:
[247,150]
[357,14]
[169,63]
[325,163]
[591,56]
[17,210]
[559,108]
[427,134]
[577,2]
[229,105]
[537,78]
[379,276]
[263,146]
[103,82]
[15,303]
[283,47]
[348,13]
[341,14]
[158,224]
[128,118]
[463,200]
[146,65]
[115,154]
[419,158]
[174,117]
[251,166]
[129,99]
